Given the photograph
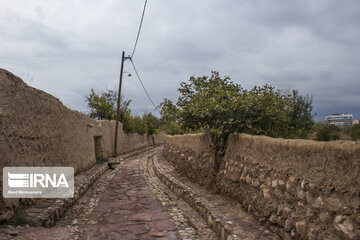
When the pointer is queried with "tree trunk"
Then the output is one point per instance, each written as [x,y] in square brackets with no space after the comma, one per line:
[218,144]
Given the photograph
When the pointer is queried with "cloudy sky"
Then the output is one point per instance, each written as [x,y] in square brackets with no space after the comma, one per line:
[68,47]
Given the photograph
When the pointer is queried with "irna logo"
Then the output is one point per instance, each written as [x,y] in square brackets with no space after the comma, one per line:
[18,180]
[38,182]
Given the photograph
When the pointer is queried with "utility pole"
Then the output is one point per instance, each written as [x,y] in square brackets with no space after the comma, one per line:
[118,103]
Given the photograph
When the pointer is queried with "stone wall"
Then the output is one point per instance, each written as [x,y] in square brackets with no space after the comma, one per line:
[300,189]
[36,129]
[192,156]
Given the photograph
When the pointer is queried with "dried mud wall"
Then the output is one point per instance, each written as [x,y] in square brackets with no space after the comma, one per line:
[36,129]
[104,139]
[300,189]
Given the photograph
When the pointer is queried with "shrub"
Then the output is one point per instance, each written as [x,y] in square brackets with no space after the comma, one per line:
[355,132]
[173,128]
[327,132]
[18,219]
[101,160]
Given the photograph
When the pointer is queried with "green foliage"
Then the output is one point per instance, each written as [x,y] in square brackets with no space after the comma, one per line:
[134,124]
[139,125]
[172,128]
[301,119]
[209,103]
[265,111]
[152,123]
[221,108]
[169,118]
[168,111]
[326,132]
[355,132]
[128,123]
[101,160]
[18,219]
[103,106]
[347,129]
[148,123]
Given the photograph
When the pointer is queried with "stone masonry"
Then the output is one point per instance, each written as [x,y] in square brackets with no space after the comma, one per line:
[299,189]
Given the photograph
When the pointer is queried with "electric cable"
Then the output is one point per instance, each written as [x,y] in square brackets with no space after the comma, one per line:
[147,94]
[138,34]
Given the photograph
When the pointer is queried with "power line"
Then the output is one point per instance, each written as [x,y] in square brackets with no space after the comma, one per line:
[147,94]
[133,52]
[141,22]
[121,76]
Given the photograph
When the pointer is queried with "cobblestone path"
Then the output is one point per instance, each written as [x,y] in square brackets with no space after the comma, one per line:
[190,224]
[128,209]
[131,202]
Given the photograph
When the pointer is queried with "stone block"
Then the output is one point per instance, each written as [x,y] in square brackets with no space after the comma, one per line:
[325,217]
[288,225]
[273,218]
[318,203]
[301,227]
[248,179]
[333,204]
[343,224]
[286,212]
[266,192]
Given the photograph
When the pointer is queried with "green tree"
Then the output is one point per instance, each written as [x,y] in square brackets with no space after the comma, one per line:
[172,128]
[169,118]
[103,106]
[301,118]
[148,123]
[355,132]
[139,125]
[326,132]
[152,123]
[264,111]
[168,111]
[128,123]
[221,108]
[209,103]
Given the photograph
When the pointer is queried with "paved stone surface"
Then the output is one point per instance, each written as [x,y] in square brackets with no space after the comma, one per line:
[48,211]
[41,233]
[128,209]
[130,202]
[189,223]
[126,203]
[71,225]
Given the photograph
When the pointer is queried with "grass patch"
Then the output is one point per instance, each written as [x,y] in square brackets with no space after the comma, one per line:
[19,219]
[100,160]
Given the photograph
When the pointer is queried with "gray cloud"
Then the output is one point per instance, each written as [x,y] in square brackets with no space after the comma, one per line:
[68,48]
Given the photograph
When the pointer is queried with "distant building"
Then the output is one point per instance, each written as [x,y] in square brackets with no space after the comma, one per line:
[356,121]
[340,119]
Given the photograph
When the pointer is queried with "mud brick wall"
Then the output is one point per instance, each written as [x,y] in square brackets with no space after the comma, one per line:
[105,135]
[300,189]
[36,129]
